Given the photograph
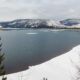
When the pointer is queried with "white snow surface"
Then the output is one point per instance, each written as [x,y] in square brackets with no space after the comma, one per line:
[53,23]
[62,67]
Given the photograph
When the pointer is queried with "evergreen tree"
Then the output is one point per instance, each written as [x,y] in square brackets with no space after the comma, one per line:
[45,78]
[2,71]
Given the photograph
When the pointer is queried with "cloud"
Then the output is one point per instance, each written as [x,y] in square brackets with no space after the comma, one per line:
[48,9]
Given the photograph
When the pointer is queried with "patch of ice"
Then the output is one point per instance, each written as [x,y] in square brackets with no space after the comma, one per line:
[31,33]
[56,30]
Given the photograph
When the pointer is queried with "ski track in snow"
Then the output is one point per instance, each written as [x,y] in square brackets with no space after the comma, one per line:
[58,68]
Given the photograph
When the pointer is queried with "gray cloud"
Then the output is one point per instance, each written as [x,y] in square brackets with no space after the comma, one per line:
[48,9]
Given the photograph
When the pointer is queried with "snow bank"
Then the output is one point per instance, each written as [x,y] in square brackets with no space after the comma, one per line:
[58,68]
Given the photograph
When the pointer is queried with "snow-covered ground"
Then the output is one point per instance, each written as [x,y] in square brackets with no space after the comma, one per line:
[62,67]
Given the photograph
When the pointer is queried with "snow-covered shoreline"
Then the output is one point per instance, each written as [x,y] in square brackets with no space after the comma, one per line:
[58,68]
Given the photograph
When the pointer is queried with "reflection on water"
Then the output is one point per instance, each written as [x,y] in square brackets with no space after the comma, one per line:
[23,50]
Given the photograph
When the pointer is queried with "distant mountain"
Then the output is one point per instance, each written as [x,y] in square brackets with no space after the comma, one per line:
[41,23]
[70,22]
[29,23]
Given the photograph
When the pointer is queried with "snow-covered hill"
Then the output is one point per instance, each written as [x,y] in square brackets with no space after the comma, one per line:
[64,67]
[41,23]
[70,22]
[25,23]
[30,23]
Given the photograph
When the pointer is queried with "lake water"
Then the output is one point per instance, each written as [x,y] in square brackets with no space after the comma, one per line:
[29,47]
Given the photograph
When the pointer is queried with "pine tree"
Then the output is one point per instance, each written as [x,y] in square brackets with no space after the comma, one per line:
[45,78]
[2,70]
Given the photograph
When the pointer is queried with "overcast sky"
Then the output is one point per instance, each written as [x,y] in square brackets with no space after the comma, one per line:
[44,9]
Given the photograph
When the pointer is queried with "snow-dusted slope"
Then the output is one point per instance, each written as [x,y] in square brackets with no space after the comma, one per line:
[30,23]
[59,68]
[53,23]
[41,23]
[76,26]
[70,22]
[24,23]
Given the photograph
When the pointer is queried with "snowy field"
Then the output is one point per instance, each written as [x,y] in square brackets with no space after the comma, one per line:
[63,67]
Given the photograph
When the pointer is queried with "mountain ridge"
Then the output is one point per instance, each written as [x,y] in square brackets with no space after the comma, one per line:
[41,23]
